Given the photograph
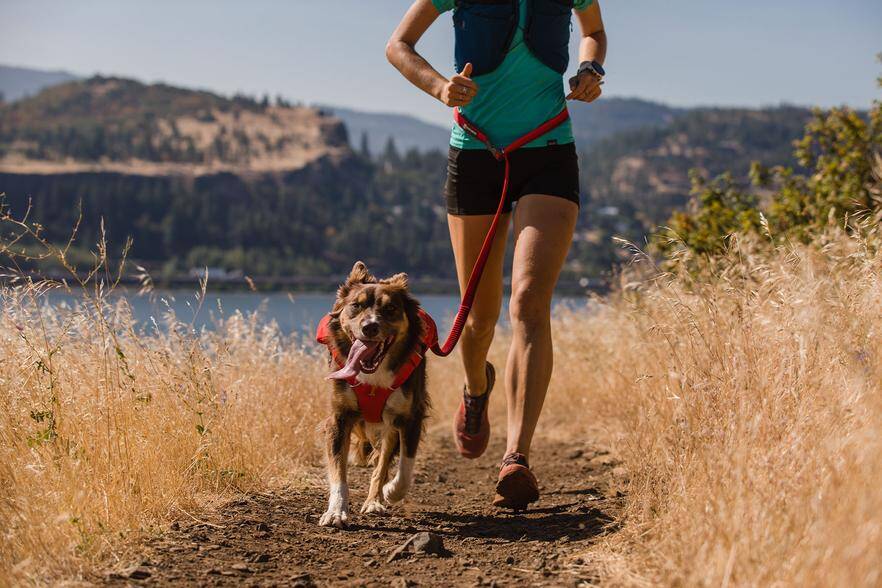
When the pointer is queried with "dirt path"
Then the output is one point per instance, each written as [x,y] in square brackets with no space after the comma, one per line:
[274,539]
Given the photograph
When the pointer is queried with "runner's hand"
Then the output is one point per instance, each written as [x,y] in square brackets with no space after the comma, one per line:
[460,89]
[585,87]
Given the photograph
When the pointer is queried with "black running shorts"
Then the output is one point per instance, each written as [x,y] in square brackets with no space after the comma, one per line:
[474,177]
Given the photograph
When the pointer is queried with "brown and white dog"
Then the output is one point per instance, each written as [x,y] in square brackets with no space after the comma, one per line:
[374,334]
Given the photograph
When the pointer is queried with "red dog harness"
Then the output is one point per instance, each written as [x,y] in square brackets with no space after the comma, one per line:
[372,399]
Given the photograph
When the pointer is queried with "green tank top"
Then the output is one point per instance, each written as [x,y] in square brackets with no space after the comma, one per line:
[516,97]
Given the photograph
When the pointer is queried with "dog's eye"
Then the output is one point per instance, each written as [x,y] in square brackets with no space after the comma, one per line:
[390,309]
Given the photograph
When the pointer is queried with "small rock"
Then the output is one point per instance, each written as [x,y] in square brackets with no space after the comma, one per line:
[575,454]
[175,526]
[510,560]
[440,478]
[402,583]
[261,558]
[136,572]
[428,543]
[604,459]
[301,581]
[262,527]
[240,567]
[371,563]
[212,572]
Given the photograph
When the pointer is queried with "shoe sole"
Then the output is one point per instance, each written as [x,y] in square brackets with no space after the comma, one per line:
[516,490]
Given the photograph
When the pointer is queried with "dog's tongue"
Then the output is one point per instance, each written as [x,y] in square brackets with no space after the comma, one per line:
[359,350]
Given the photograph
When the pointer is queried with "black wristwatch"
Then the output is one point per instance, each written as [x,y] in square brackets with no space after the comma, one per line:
[592,67]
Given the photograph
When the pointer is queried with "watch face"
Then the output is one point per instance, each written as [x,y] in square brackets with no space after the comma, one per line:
[598,68]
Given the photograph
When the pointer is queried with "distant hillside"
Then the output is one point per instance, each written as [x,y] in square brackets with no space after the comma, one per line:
[18,82]
[117,124]
[632,181]
[608,116]
[408,132]
[591,122]
[649,168]
[276,191]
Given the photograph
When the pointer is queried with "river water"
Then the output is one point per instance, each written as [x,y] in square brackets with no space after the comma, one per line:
[294,313]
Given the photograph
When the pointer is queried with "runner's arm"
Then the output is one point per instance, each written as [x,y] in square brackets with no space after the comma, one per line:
[401,52]
[592,47]
[593,44]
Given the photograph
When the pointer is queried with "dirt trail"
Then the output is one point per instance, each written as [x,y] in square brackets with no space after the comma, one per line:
[274,539]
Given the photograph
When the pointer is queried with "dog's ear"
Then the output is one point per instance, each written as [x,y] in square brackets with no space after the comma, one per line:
[338,305]
[398,281]
[360,275]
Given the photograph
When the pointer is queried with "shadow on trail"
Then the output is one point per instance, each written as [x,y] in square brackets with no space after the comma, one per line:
[543,524]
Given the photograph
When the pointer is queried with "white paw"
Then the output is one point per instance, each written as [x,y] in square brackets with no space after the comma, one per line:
[335,517]
[393,492]
[373,507]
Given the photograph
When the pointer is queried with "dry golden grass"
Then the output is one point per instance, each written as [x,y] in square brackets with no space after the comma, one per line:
[747,411]
[105,432]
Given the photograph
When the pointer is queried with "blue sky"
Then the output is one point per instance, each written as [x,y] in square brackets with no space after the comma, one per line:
[707,52]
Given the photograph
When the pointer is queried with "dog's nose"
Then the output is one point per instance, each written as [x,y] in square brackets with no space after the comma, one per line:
[371,329]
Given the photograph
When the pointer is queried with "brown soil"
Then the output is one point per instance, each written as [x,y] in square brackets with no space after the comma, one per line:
[274,539]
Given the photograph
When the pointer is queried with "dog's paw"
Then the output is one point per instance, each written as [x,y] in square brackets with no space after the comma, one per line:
[334,517]
[373,507]
[393,492]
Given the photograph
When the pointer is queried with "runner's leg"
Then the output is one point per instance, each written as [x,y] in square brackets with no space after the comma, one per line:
[543,228]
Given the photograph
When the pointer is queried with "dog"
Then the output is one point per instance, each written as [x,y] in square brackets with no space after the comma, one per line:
[376,335]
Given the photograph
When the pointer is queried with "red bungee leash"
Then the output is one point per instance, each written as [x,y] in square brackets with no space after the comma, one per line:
[501,154]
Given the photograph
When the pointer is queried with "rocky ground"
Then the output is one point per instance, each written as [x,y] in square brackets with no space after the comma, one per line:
[274,539]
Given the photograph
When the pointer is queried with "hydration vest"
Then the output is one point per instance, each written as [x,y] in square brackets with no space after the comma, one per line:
[484,29]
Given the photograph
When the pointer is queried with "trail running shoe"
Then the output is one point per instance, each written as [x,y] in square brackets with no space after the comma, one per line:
[517,486]
[471,427]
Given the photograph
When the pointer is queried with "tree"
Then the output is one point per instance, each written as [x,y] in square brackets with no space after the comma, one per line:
[390,153]
[365,149]
[842,151]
